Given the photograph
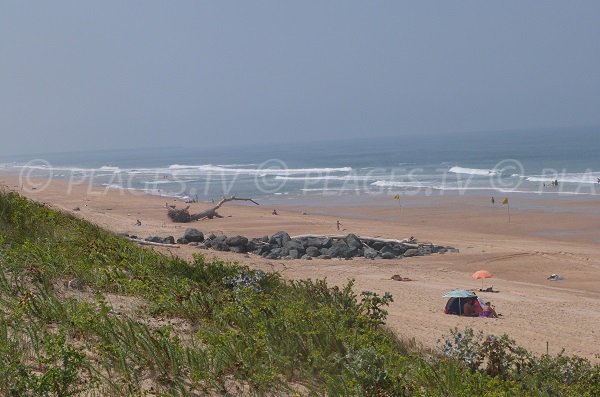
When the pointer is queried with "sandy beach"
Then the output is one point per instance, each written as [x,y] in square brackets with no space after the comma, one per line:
[546,235]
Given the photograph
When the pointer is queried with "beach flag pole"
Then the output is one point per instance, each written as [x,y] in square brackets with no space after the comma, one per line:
[397,197]
[505,202]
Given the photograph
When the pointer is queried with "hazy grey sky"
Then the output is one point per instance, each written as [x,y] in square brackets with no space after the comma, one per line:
[113,74]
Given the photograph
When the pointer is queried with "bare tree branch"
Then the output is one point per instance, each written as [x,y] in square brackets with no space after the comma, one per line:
[184,216]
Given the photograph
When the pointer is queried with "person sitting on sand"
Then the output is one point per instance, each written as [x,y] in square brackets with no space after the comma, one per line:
[274,212]
[469,308]
[488,310]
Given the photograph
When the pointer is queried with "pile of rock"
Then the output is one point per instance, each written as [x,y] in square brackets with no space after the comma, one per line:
[281,246]
[192,236]
[158,239]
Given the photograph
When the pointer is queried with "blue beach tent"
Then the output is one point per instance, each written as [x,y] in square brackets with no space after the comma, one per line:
[456,299]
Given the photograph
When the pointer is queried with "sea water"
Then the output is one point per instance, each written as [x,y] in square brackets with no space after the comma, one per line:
[516,162]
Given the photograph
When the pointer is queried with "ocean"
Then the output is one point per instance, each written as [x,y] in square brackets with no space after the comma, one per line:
[515,162]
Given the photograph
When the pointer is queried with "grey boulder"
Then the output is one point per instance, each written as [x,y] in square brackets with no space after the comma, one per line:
[313,252]
[369,253]
[193,235]
[236,241]
[411,252]
[279,238]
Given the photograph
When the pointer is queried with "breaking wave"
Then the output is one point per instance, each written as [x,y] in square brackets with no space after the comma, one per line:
[472,171]
[587,178]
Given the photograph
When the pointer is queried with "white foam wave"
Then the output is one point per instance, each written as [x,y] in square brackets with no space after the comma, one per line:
[115,186]
[168,181]
[432,186]
[413,184]
[215,169]
[586,178]
[330,189]
[46,168]
[109,168]
[190,170]
[237,165]
[472,171]
[49,168]
[590,192]
[326,178]
[182,167]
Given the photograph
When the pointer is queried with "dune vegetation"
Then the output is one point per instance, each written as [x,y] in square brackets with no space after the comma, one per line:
[84,312]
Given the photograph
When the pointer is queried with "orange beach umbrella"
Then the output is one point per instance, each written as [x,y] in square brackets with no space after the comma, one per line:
[481,274]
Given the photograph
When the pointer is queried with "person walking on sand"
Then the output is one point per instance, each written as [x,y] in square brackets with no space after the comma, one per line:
[338,224]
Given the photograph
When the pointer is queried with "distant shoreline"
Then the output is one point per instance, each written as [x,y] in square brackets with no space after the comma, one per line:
[323,198]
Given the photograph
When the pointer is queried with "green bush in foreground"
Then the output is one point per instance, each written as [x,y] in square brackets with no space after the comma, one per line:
[198,328]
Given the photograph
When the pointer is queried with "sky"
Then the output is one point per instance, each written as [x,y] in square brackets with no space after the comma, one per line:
[82,75]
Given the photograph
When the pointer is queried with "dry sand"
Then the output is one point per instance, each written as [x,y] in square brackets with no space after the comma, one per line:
[545,236]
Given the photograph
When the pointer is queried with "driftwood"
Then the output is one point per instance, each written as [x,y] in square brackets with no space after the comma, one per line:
[184,216]
[144,242]
[407,242]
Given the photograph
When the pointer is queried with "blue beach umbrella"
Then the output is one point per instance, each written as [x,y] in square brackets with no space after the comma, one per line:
[459,293]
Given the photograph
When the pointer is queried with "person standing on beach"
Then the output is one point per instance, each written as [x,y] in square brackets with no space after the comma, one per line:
[338,224]
[493,201]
